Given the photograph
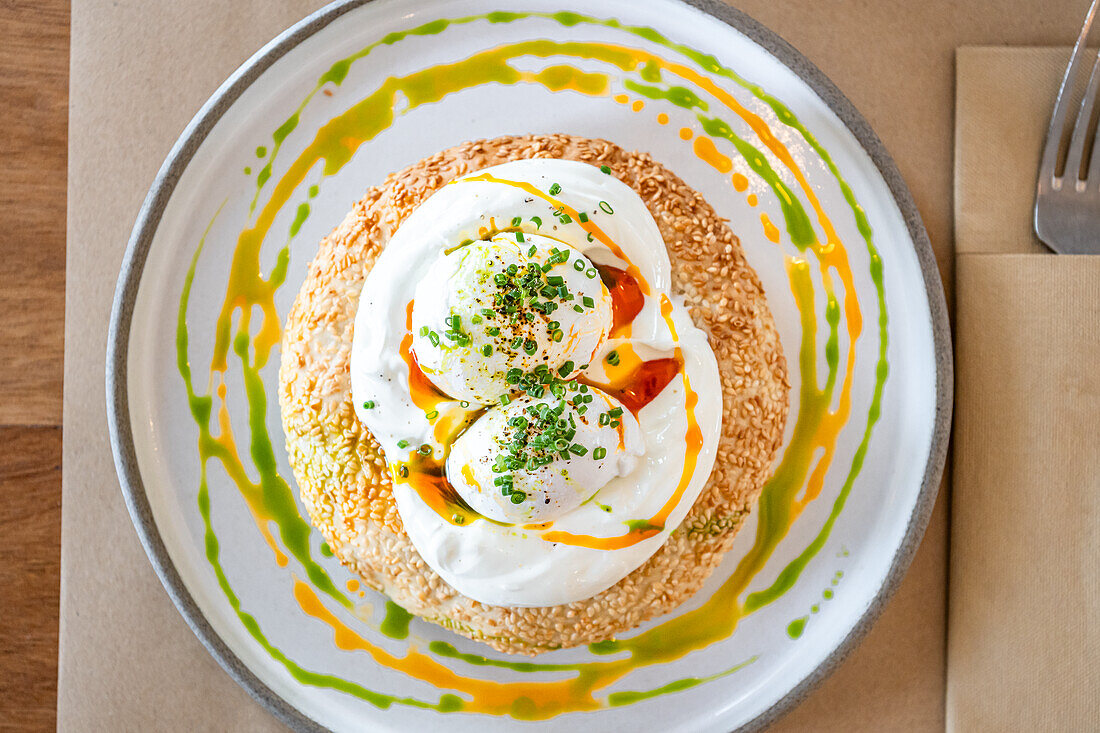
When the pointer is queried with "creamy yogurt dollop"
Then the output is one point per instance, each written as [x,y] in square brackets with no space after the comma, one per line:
[604,479]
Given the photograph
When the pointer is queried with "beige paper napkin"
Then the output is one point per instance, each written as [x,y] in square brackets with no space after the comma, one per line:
[1024,592]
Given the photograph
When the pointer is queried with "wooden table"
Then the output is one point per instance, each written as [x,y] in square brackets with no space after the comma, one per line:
[34,75]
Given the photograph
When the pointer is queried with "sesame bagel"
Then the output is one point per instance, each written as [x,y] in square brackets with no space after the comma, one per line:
[342,473]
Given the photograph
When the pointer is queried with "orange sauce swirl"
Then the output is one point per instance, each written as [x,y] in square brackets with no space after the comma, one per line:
[424,393]
[627,298]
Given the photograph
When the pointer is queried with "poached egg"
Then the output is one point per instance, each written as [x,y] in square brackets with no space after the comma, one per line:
[513,302]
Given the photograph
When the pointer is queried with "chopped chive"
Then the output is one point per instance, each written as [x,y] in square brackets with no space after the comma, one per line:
[423,330]
[578,309]
[434,338]
[368,405]
[518,497]
[519,237]
[565,219]
[464,403]
[516,220]
[475,319]
[588,302]
[538,222]
[402,443]
[505,399]
[599,453]
[555,190]
[424,449]
[532,250]
[604,419]
[487,350]
[432,415]
[558,335]
[613,358]
[589,237]
[404,471]
[577,449]
[565,368]
[606,207]
[582,217]
[605,169]
[590,273]
[615,411]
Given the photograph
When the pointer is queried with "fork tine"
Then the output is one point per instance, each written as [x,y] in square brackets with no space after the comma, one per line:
[1094,160]
[1081,129]
[1049,164]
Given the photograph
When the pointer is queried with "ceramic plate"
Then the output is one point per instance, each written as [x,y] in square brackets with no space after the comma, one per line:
[361,89]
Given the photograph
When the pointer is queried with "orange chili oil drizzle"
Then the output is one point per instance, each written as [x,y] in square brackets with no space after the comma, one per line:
[642,384]
[428,479]
[627,298]
[422,472]
[639,386]
[640,530]
[424,393]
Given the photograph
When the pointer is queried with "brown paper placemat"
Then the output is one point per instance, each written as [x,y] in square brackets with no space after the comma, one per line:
[1024,608]
[139,71]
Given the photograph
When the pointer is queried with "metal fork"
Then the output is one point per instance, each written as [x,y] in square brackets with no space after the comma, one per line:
[1067,203]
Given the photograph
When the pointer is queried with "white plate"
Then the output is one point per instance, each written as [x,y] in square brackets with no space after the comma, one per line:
[881,512]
